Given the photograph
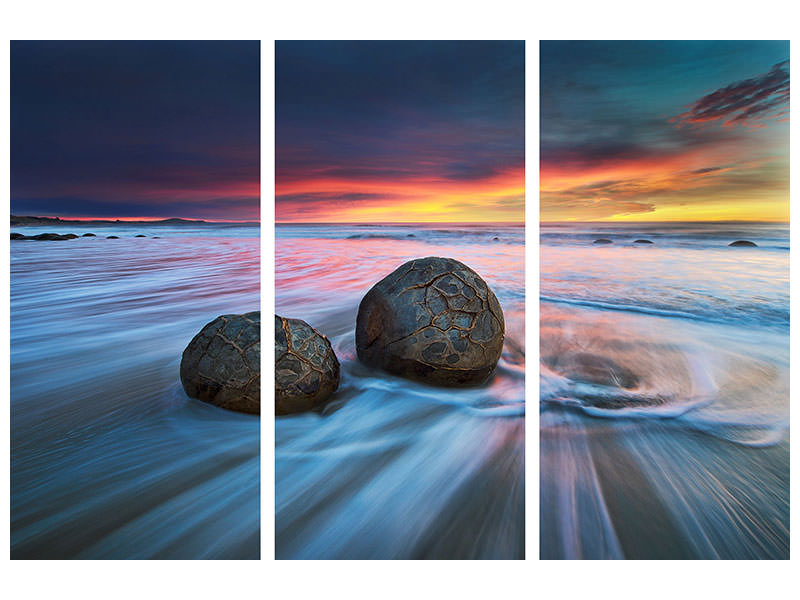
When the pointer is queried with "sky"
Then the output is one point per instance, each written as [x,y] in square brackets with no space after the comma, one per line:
[135,129]
[415,131]
[664,131]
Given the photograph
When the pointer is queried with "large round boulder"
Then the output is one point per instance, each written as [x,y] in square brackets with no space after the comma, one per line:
[222,363]
[306,368]
[433,320]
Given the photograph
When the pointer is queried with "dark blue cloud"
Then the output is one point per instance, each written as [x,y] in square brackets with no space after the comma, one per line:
[744,101]
[607,100]
[100,122]
[422,108]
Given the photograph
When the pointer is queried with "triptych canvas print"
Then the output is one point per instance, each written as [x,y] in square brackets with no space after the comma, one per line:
[401,421]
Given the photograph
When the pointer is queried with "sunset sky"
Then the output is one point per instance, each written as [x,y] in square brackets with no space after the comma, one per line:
[664,131]
[399,131]
[135,129]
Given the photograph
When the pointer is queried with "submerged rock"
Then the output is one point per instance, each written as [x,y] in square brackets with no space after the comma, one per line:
[88,235]
[642,242]
[222,363]
[306,368]
[140,235]
[592,368]
[743,243]
[433,320]
[602,241]
[112,237]
[622,402]
[17,236]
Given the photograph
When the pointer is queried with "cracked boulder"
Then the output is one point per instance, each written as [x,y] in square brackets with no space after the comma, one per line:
[222,363]
[306,368]
[433,320]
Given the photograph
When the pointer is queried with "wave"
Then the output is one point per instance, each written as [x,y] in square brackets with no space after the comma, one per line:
[378,236]
[762,316]
[494,234]
[727,382]
[393,468]
[109,457]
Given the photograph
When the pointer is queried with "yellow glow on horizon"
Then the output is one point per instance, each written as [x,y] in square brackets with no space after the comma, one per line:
[767,210]
[497,199]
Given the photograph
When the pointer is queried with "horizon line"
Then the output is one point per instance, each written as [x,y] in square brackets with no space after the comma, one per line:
[395,222]
[606,222]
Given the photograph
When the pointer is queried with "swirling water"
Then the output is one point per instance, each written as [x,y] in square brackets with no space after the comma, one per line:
[391,468]
[109,457]
[664,380]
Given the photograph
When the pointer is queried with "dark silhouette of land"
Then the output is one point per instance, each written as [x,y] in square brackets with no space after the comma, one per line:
[15,220]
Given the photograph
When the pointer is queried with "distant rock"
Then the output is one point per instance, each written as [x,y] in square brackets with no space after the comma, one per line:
[411,235]
[642,242]
[88,235]
[44,237]
[743,243]
[306,368]
[112,237]
[602,241]
[140,235]
[495,239]
[155,237]
[434,320]
[222,363]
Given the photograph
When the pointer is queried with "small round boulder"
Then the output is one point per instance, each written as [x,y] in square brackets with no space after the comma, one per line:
[432,320]
[306,368]
[222,363]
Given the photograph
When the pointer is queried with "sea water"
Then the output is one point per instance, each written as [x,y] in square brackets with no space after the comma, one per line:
[109,457]
[392,468]
[664,380]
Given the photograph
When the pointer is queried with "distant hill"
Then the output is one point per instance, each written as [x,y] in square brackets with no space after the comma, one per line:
[15,220]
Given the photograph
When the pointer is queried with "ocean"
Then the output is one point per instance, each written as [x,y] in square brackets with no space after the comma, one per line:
[391,468]
[109,457]
[664,382]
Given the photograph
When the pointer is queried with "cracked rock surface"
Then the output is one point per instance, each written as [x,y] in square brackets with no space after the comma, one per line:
[433,320]
[306,368]
[222,363]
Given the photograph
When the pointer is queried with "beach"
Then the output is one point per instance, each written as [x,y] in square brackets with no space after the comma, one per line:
[391,468]
[664,380]
[109,457]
